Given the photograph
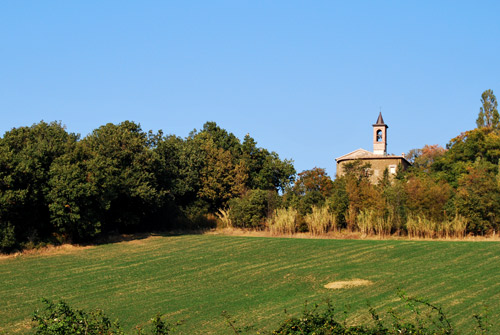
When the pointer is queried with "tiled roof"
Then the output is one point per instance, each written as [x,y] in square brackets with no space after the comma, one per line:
[365,154]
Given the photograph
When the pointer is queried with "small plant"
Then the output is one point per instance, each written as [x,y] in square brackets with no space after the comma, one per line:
[160,327]
[482,320]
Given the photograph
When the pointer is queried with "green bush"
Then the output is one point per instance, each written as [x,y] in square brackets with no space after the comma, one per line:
[251,210]
[7,237]
[60,319]
[426,319]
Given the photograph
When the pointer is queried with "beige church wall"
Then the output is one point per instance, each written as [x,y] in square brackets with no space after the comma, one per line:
[378,166]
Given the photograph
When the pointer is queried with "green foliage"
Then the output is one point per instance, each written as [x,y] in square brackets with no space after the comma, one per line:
[251,210]
[488,114]
[265,169]
[477,199]
[338,203]
[26,157]
[315,179]
[159,326]
[426,319]
[106,184]
[60,319]
[7,236]
[120,179]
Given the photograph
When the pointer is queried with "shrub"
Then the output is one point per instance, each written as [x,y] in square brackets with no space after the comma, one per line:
[7,237]
[251,210]
[60,319]
[426,319]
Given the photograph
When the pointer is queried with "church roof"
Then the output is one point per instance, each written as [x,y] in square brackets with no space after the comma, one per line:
[380,121]
[357,154]
[365,154]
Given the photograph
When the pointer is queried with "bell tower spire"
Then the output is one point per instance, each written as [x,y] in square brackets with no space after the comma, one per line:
[380,136]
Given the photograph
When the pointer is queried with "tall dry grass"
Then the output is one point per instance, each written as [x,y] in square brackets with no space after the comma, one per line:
[320,221]
[224,219]
[459,226]
[370,222]
[364,221]
[419,226]
[283,221]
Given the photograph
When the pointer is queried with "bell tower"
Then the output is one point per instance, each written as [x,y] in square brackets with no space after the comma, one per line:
[380,137]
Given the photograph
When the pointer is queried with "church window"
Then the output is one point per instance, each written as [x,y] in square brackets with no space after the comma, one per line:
[379,135]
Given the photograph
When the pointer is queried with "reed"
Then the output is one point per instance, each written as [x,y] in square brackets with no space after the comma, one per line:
[383,226]
[370,222]
[418,225]
[320,220]
[459,226]
[223,216]
[412,225]
[283,221]
[364,221]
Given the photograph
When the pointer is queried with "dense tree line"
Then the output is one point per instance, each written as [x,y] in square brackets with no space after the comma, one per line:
[55,186]
[58,187]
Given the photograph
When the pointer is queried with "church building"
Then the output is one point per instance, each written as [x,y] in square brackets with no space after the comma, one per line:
[378,159]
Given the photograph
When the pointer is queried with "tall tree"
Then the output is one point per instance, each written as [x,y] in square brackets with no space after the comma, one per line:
[107,184]
[26,157]
[488,113]
[315,179]
[477,198]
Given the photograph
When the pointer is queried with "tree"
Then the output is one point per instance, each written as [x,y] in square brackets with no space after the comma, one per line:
[108,183]
[266,171]
[26,157]
[478,196]
[488,113]
[427,197]
[422,159]
[251,210]
[315,179]
[220,179]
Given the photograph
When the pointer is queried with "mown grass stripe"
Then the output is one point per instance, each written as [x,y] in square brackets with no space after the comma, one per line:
[196,277]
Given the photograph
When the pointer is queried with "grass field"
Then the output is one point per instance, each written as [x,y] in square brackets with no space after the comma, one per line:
[194,278]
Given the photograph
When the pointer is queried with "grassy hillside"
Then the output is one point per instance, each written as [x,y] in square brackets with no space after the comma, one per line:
[194,278]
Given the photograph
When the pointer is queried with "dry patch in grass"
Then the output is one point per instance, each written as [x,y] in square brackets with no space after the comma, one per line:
[19,327]
[49,250]
[348,284]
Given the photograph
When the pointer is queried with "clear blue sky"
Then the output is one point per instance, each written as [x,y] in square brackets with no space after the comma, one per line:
[305,78]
